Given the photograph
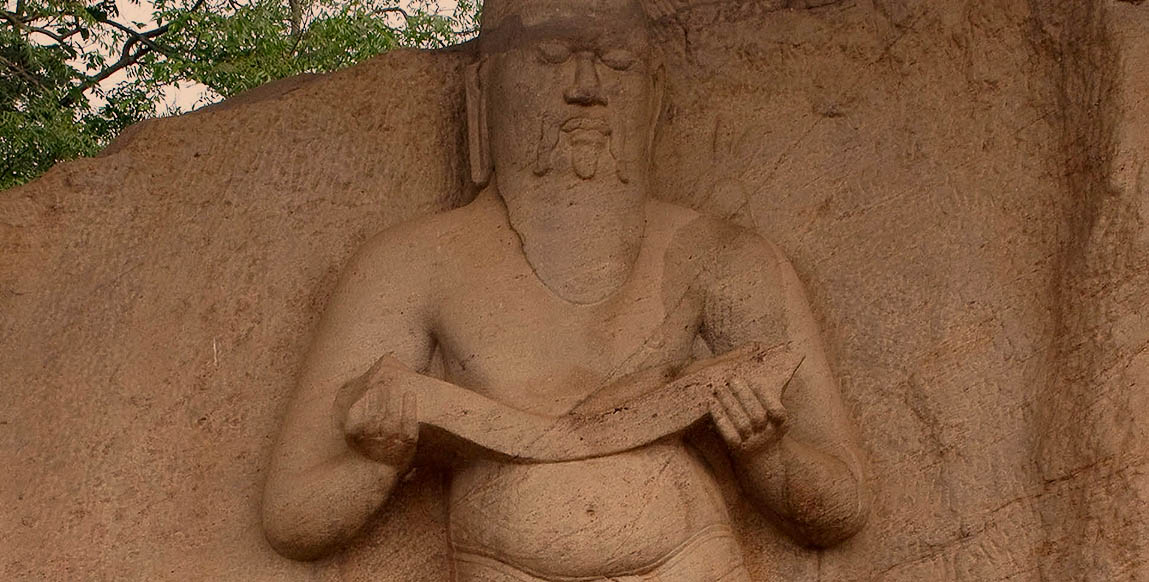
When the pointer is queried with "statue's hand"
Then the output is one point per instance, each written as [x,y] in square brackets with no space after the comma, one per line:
[382,424]
[748,414]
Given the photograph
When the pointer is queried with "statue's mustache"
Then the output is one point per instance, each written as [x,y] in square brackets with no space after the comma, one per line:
[587,123]
[552,127]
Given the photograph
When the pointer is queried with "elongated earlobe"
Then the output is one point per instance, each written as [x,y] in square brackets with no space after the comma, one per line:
[658,98]
[477,137]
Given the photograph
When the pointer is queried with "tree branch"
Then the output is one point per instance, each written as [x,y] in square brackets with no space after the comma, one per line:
[400,10]
[127,56]
[127,59]
[24,73]
[296,9]
[19,23]
[144,37]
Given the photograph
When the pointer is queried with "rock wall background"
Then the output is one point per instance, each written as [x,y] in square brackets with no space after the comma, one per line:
[960,184]
[1093,432]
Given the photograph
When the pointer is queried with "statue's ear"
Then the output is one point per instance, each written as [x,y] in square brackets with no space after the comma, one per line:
[477,139]
[658,99]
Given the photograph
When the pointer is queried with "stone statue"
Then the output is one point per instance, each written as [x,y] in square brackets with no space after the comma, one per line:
[568,310]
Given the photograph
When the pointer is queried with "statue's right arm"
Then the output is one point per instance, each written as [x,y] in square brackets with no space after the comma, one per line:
[319,491]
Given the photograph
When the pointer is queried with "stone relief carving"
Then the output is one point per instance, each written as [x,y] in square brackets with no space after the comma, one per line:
[586,333]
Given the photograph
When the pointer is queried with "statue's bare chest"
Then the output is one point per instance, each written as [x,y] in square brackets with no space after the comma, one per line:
[509,337]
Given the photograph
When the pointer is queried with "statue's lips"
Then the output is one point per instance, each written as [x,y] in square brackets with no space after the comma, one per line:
[588,124]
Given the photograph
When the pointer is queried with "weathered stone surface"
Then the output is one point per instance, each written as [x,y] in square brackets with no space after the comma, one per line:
[156,303]
[1093,433]
[960,186]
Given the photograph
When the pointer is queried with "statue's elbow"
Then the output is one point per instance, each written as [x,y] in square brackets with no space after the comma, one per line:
[290,533]
[832,530]
[837,521]
[825,521]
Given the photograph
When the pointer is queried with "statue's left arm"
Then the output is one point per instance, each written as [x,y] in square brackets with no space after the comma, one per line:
[792,443]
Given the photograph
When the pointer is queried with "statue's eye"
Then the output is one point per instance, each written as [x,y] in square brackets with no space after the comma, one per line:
[554,52]
[618,59]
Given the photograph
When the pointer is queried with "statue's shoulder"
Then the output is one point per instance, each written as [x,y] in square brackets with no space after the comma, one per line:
[718,248]
[703,233]
[429,239]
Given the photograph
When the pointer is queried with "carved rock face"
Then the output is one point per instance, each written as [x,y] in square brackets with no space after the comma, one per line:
[568,100]
[570,90]
[982,301]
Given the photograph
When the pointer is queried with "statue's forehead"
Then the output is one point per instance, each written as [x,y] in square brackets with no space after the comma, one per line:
[601,12]
[518,23]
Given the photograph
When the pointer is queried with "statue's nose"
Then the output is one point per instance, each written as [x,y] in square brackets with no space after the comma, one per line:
[586,89]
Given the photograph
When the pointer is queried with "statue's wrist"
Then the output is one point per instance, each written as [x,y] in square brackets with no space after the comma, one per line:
[764,450]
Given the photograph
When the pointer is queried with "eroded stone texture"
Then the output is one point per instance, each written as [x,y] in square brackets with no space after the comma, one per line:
[570,312]
[958,185]
[1094,437]
[156,303]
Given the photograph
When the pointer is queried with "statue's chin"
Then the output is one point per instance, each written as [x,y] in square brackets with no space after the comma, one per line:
[580,153]
[584,159]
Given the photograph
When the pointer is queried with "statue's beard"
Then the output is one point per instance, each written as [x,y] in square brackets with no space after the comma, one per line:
[584,140]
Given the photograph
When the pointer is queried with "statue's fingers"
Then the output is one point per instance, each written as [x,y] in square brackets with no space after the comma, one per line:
[393,418]
[361,414]
[749,401]
[765,392]
[775,410]
[410,422]
[352,419]
[725,428]
[734,412]
[379,371]
[384,370]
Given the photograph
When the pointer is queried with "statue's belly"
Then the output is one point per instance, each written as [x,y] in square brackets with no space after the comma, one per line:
[598,517]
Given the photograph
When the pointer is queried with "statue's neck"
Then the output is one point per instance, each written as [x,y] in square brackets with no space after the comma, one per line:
[581,240]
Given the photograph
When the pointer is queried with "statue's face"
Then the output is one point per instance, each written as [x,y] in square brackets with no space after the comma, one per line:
[570,91]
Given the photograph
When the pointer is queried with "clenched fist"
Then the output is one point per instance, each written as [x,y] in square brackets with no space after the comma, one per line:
[382,423]
[748,414]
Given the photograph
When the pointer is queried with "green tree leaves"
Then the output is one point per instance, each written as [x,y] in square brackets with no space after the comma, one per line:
[57,58]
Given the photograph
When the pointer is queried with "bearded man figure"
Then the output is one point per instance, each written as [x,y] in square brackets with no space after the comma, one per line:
[566,305]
